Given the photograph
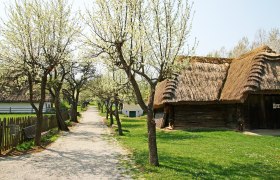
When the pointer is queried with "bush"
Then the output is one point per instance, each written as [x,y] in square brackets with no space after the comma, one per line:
[25,146]
[64,105]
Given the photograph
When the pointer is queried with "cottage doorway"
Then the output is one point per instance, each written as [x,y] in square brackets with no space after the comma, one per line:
[132,113]
[264,111]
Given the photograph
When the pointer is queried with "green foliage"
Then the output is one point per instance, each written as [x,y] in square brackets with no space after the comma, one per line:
[68,123]
[203,154]
[25,146]
[47,138]
[51,136]
[64,105]
[93,103]
[80,109]
[102,114]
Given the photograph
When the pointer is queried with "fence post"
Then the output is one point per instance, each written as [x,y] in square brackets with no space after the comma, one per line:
[1,135]
[10,109]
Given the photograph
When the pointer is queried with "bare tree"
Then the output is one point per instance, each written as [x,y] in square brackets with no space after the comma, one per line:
[260,39]
[242,47]
[143,38]
[270,38]
[222,52]
[273,39]
[37,37]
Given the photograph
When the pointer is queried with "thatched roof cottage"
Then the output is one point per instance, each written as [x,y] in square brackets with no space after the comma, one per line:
[220,92]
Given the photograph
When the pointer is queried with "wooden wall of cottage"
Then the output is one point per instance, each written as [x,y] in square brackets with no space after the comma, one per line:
[198,116]
[262,111]
[205,116]
[259,111]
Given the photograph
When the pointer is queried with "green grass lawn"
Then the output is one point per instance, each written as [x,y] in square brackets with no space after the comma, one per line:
[80,109]
[203,154]
[15,115]
[19,115]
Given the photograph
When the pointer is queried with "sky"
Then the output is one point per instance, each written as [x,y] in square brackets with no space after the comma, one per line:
[218,23]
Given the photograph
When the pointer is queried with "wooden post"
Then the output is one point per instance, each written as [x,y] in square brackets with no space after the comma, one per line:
[165,118]
[240,119]
[4,133]
[264,120]
[1,135]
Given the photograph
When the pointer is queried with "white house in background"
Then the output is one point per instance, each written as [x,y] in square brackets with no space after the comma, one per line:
[21,107]
[20,104]
[132,110]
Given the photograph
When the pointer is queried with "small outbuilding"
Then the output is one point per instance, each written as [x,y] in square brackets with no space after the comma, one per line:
[132,110]
[223,93]
[21,104]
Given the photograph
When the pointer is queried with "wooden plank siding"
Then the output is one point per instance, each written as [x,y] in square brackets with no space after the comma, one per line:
[205,116]
[259,112]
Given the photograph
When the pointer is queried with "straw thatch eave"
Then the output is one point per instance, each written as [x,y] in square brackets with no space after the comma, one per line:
[255,71]
[160,89]
[200,81]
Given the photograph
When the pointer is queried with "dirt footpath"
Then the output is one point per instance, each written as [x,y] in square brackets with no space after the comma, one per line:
[87,152]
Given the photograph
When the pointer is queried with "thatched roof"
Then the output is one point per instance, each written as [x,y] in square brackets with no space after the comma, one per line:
[160,89]
[252,72]
[222,80]
[196,78]
[21,96]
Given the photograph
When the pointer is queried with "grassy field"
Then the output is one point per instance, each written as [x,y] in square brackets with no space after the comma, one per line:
[15,115]
[203,154]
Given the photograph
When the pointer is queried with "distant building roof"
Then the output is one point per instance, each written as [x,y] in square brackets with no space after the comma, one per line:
[21,97]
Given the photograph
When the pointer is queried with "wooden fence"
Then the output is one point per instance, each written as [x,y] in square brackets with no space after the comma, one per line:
[16,110]
[11,129]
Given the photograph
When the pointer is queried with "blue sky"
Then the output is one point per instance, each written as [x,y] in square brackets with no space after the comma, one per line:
[220,23]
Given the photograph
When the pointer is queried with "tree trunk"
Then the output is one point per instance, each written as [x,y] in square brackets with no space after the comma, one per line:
[102,108]
[60,122]
[74,112]
[153,156]
[39,110]
[37,141]
[107,108]
[99,106]
[117,115]
[151,125]
[111,115]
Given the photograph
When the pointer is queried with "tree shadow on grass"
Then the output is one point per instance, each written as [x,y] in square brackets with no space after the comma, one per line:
[207,130]
[129,120]
[133,125]
[205,170]
[170,136]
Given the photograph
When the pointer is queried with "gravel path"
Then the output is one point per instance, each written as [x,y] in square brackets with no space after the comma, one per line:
[87,152]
